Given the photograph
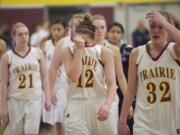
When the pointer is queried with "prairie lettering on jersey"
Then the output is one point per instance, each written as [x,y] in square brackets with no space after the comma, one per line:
[90,61]
[156,72]
[24,68]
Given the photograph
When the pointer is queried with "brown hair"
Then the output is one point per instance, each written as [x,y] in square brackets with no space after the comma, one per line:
[175,21]
[86,27]
[166,15]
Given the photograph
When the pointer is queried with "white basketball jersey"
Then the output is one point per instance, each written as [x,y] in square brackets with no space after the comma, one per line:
[91,84]
[24,75]
[61,80]
[177,94]
[48,50]
[157,85]
[67,41]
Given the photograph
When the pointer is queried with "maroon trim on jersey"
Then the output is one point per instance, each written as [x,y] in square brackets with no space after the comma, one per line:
[9,65]
[101,63]
[20,55]
[92,45]
[155,59]
[178,62]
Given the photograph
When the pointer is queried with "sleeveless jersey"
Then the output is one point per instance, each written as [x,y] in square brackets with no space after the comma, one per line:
[177,94]
[157,85]
[91,84]
[24,75]
[61,79]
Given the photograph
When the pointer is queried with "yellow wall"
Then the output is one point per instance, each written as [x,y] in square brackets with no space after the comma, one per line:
[77,2]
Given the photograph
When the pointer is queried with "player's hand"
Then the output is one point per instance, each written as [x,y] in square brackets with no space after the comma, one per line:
[103,112]
[131,112]
[155,16]
[123,129]
[47,104]
[79,42]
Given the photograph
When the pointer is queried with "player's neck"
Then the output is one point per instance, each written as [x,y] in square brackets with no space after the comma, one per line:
[100,41]
[158,46]
[55,42]
[21,48]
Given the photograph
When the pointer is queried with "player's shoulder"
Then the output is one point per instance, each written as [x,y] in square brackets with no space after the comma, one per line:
[64,42]
[106,50]
[114,48]
[46,45]
[2,42]
[134,51]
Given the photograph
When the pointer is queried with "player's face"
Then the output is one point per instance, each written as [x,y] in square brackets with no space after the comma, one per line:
[115,35]
[100,29]
[21,36]
[157,33]
[57,31]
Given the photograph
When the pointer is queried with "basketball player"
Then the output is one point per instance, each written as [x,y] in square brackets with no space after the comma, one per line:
[55,64]
[23,73]
[58,30]
[154,75]
[100,23]
[89,99]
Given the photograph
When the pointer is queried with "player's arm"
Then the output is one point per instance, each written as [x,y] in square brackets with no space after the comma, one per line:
[2,47]
[174,33]
[120,74]
[131,91]
[73,64]
[42,47]
[109,71]
[45,81]
[54,67]
[4,86]
[119,71]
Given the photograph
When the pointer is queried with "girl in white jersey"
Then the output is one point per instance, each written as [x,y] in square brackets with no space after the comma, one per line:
[24,76]
[58,30]
[56,62]
[89,99]
[154,76]
[100,22]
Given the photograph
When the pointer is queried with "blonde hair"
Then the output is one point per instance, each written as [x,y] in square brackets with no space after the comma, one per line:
[78,16]
[98,17]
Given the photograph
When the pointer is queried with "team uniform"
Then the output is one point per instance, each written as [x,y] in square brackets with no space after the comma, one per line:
[24,93]
[85,98]
[157,89]
[57,115]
